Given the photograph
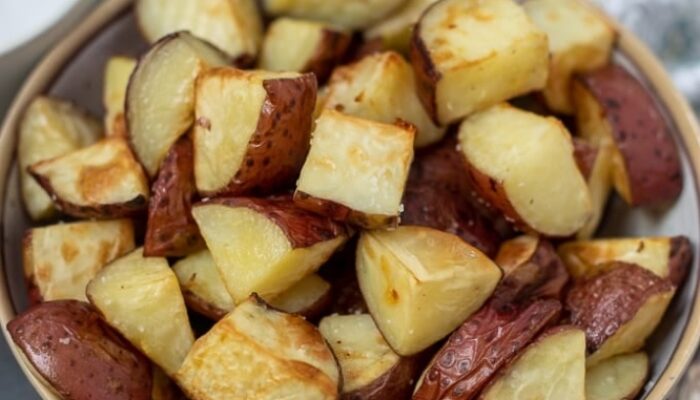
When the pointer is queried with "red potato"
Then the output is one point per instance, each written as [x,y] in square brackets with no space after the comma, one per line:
[339,271]
[78,354]
[596,164]
[618,378]
[252,129]
[394,32]
[118,70]
[171,230]
[202,285]
[349,14]
[310,298]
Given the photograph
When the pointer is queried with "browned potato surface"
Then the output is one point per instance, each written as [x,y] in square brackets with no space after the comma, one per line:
[202,285]
[618,378]
[394,32]
[349,14]
[117,73]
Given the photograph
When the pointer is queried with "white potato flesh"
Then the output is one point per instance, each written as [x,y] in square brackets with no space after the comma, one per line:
[117,73]
[617,378]
[303,295]
[395,30]
[350,14]
[199,275]
[290,44]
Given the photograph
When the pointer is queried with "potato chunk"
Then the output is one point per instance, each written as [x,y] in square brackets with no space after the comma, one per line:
[420,283]
[258,353]
[617,378]
[60,260]
[309,297]
[356,170]
[50,128]
[472,54]
[395,30]
[349,14]
[117,73]
[523,164]
[202,285]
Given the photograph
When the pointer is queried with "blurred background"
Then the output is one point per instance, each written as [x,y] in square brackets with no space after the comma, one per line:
[28,28]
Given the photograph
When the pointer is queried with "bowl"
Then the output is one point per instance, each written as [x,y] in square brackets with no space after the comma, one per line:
[74,69]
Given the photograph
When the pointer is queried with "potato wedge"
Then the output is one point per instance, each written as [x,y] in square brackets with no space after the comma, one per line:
[667,257]
[259,353]
[420,284]
[618,309]
[309,297]
[66,341]
[202,285]
[160,97]
[523,164]
[395,30]
[117,73]
[381,87]
[349,14]
[612,105]
[234,26]
[265,246]
[356,170]
[99,181]
[303,46]
[458,75]
[140,297]
[370,368]
[618,378]
[481,346]
[580,40]
[252,130]
[551,368]
[50,128]
[171,230]
[60,260]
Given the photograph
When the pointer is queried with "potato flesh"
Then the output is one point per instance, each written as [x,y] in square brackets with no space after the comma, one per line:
[532,158]
[199,275]
[258,353]
[140,297]
[600,186]
[420,284]
[617,378]
[350,14]
[552,368]
[381,87]
[290,44]
[302,296]
[360,164]
[362,352]
[395,31]
[117,74]
[510,57]
[50,128]
[234,26]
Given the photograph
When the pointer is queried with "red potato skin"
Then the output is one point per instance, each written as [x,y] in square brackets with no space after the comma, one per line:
[427,76]
[680,257]
[641,134]
[331,50]
[602,304]
[481,346]
[95,363]
[202,307]
[339,212]
[585,156]
[397,383]
[171,230]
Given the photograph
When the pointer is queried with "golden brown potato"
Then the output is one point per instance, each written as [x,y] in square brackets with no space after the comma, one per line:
[667,257]
[618,309]
[100,181]
[618,378]
[265,246]
[234,26]
[551,368]
[356,170]
[140,297]
[160,97]
[370,368]
[349,14]
[580,40]
[523,164]
[258,353]
[202,285]
[252,130]
[458,75]
[303,46]
[395,30]
[78,354]
[59,260]
[171,230]
[613,106]
[50,128]
[309,297]
[421,283]
[117,73]
[483,344]
[381,87]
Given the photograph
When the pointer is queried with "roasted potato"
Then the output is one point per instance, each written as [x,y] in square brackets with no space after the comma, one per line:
[258,353]
[580,40]
[78,354]
[202,285]
[171,230]
[50,128]
[596,164]
[140,297]
[117,73]
[252,130]
[349,14]
[551,368]
[356,170]
[421,283]
[265,246]
[59,260]
[458,75]
[612,105]
[481,346]
[234,26]
[618,309]
[370,368]
[395,31]
[618,378]
[523,164]
[309,297]
[160,97]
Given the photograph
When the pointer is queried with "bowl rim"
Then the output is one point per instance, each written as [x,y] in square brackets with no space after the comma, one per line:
[677,107]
